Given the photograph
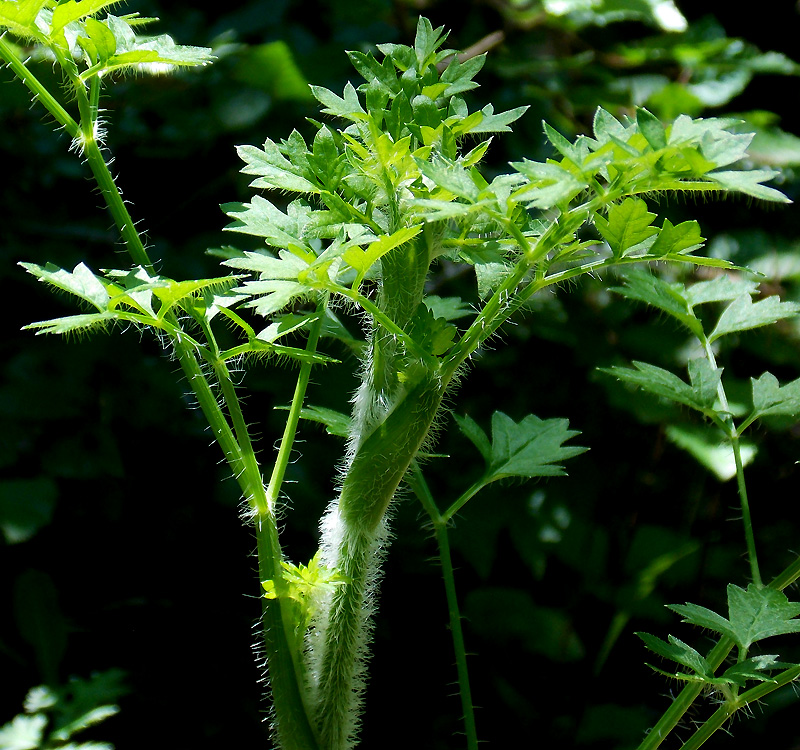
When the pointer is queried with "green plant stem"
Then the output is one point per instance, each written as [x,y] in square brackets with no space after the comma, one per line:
[422,491]
[293,726]
[718,719]
[755,573]
[286,671]
[295,409]
[733,438]
[681,704]
[40,92]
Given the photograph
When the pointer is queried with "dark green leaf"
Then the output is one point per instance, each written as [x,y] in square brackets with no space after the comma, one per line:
[755,613]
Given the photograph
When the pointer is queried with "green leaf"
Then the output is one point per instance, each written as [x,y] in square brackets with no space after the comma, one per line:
[700,395]
[479,439]
[628,226]
[362,260]
[74,10]
[73,324]
[19,16]
[672,240]
[100,44]
[752,669]
[261,218]
[720,289]
[769,397]
[749,183]
[426,42]
[458,76]
[754,613]
[495,123]
[530,448]
[336,423]
[743,314]
[452,177]
[275,171]
[678,651]
[549,184]
[81,282]
[348,108]
[650,289]
[651,128]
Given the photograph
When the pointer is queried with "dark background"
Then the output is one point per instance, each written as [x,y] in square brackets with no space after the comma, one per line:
[136,558]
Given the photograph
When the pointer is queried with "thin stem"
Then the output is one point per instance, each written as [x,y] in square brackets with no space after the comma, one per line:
[746,519]
[733,439]
[51,104]
[290,430]
[718,719]
[423,492]
[680,705]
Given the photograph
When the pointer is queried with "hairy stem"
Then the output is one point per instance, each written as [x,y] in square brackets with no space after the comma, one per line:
[720,717]
[683,702]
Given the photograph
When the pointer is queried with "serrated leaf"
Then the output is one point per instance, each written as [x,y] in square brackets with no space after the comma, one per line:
[749,183]
[261,218]
[274,170]
[81,282]
[73,324]
[629,224]
[74,10]
[495,123]
[347,107]
[672,239]
[721,289]
[549,184]
[426,42]
[743,315]
[650,289]
[754,613]
[362,260]
[752,669]
[700,395]
[769,397]
[678,651]
[530,448]
[458,76]
[20,16]
[452,177]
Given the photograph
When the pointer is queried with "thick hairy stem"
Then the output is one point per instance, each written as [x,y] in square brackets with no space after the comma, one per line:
[354,536]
